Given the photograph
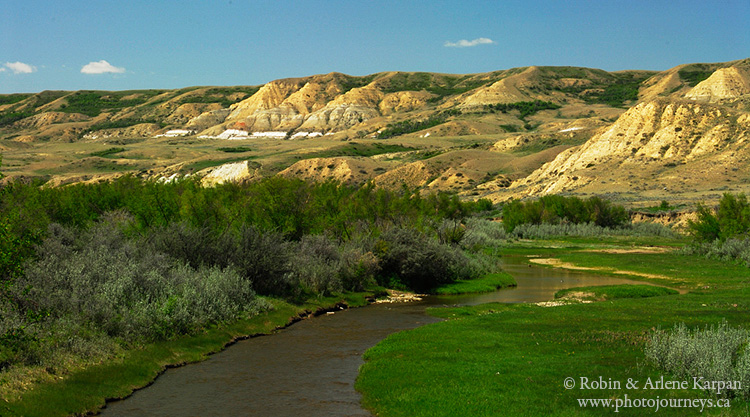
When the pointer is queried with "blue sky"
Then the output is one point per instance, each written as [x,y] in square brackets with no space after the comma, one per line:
[118,45]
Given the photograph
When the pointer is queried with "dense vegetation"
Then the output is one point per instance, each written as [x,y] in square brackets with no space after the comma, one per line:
[558,209]
[526,108]
[694,74]
[715,353]
[87,269]
[109,152]
[121,123]
[723,232]
[13,98]
[624,90]
[12,117]
[614,90]
[440,85]
[235,149]
[93,103]
[731,219]
[221,95]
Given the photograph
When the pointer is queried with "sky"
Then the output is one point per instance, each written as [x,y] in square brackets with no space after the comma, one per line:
[124,45]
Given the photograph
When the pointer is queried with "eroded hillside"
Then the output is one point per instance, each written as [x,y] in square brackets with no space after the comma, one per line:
[636,135]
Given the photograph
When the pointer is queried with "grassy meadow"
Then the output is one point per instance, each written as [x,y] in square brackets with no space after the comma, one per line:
[513,359]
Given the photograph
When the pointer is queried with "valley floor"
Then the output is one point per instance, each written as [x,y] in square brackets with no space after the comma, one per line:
[517,359]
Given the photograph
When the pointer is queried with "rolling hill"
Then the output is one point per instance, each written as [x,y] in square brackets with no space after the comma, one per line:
[637,136]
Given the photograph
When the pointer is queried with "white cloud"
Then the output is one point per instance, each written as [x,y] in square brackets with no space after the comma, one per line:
[101,67]
[20,67]
[463,43]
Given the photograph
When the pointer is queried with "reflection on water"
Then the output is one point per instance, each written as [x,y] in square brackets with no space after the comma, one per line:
[535,284]
[309,368]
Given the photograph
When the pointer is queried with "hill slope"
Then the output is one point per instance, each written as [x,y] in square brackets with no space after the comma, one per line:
[637,135]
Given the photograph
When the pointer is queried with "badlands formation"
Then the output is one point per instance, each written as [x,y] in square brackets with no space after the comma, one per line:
[635,136]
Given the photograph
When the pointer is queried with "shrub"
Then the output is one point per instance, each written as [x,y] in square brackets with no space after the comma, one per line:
[546,231]
[482,233]
[198,246]
[264,259]
[733,249]
[716,353]
[731,219]
[450,232]
[261,258]
[557,209]
[103,279]
[419,262]
[359,267]
[317,265]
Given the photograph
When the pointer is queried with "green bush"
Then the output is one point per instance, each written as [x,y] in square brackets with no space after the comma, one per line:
[359,267]
[317,265]
[482,233]
[730,219]
[419,262]
[108,152]
[525,108]
[554,209]
[196,246]
[105,279]
[716,353]
[548,231]
[90,290]
[732,249]
[263,259]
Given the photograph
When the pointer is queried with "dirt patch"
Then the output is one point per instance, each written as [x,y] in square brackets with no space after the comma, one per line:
[567,265]
[579,296]
[559,264]
[563,302]
[399,297]
[640,249]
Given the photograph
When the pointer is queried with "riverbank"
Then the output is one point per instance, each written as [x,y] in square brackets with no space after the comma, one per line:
[86,390]
[513,359]
[487,283]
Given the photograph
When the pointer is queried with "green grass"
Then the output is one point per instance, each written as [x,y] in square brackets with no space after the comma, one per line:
[488,283]
[687,272]
[612,292]
[690,272]
[85,391]
[107,152]
[512,359]
[500,359]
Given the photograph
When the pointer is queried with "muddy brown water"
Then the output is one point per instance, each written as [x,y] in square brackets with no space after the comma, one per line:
[309,368]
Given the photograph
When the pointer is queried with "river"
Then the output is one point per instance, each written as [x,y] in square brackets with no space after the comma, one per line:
[309,368]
